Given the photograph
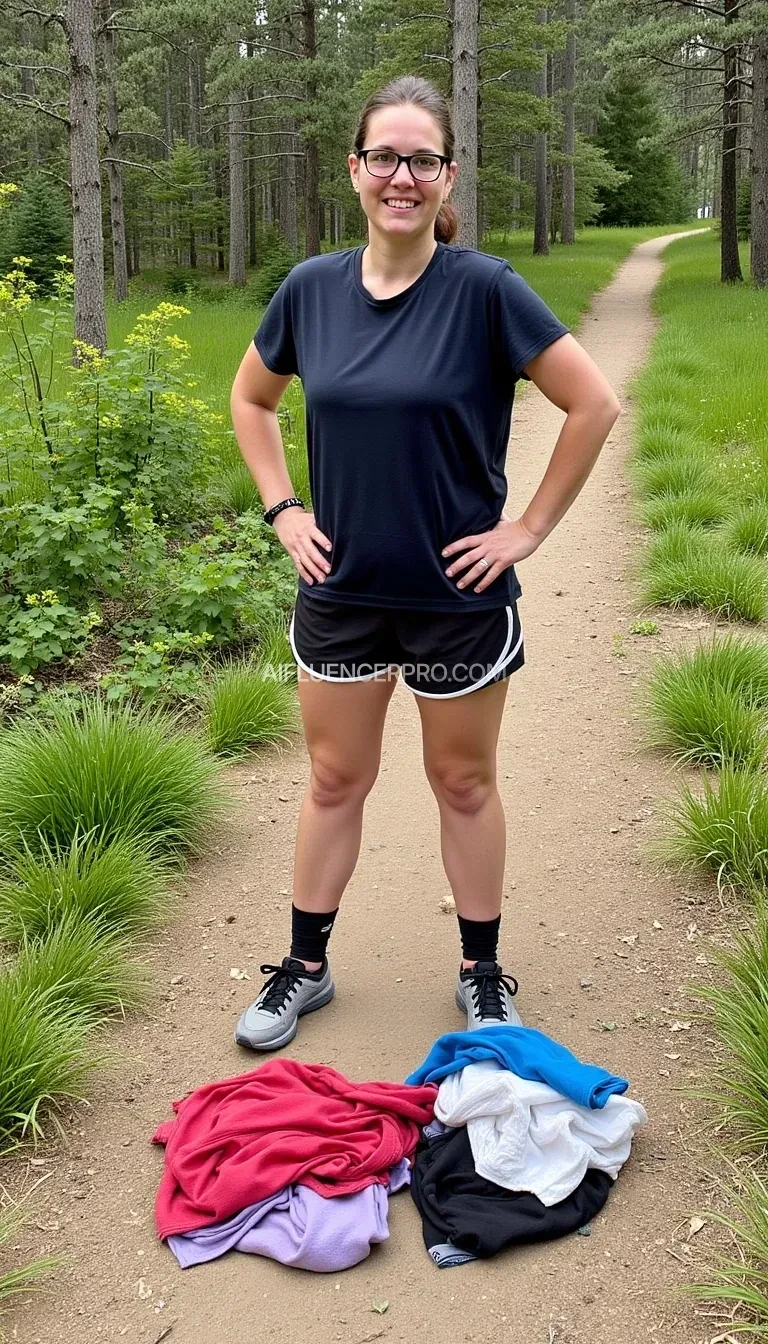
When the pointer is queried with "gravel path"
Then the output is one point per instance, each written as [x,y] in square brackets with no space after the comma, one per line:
[600,942]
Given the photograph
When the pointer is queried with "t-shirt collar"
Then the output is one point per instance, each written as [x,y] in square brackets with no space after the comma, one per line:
[395,299]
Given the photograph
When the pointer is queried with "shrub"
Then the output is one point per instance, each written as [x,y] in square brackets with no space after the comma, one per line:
[677,474]
[117,885]
[272,274]
[690,567]
[44,1055]
[246,707]
[708,706]
[747,529]
[725,829]
[110,770]
[238,489]
[699,506]
[79,966]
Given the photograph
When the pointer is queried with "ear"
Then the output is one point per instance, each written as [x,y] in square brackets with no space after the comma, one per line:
[354,169]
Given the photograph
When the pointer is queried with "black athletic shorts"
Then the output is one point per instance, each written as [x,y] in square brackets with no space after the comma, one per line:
[440,654]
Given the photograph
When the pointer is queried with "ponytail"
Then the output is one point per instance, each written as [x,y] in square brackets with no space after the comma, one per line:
[446,223]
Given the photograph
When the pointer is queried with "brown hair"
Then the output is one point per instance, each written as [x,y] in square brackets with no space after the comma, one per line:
[414,89]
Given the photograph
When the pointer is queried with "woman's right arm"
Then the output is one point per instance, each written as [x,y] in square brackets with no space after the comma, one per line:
[256,393]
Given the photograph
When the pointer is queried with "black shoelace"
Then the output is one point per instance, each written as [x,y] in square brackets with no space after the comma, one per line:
[486,992]
[279,988]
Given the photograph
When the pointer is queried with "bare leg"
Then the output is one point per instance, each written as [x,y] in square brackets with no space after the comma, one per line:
[459,738]
[343,727]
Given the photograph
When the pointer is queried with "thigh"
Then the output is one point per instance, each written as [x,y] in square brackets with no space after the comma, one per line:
[344,724]
[463,732]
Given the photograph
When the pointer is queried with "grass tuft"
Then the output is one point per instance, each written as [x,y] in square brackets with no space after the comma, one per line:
[238,489]
[116,884]
[700,506]
[747,529]
[110,770]
[688,567]
[44,1056]
[248,705]
[26,1278]
[724,829]
[708,706]
[78,966]
[677,474]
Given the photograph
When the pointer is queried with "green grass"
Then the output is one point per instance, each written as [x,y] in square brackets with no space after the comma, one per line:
[701,457]
[109,770]
[724,829]
[116,884]
[709,706]
[78,965]
[244,708]
[45,1055]
[690,567]
[18,1282]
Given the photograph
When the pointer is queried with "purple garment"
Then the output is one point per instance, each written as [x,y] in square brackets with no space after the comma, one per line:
[298,1227]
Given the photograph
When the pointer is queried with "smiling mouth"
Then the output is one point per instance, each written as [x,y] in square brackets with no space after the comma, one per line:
[402,205]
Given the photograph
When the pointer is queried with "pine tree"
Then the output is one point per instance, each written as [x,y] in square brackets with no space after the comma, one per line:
[654,192]
[39,229]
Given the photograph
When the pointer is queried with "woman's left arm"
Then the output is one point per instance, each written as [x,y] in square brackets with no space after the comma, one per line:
[572,381]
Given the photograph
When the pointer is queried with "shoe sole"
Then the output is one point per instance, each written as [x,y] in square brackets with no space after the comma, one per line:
[276,1042]
[514,1020]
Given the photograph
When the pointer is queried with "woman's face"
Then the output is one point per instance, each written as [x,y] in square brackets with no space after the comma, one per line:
[407,130]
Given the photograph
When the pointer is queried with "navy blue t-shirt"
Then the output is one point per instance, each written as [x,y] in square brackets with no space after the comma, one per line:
[408,409]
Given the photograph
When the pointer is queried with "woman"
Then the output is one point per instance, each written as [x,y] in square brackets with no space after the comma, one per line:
[408,350]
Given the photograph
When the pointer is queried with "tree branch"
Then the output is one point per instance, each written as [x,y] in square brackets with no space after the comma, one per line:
[281,154]
[146,167]
[431,56]
[263,98]
[44,14]
[414,18]
[14,100]
[50,69]
[494,79]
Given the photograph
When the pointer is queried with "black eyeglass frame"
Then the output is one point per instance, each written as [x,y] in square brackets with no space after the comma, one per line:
[405,158]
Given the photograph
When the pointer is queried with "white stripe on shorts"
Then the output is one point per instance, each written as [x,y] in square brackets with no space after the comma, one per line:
[505,657]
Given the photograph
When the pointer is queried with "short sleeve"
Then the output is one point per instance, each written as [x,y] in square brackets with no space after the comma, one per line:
[274,339]
[521,323]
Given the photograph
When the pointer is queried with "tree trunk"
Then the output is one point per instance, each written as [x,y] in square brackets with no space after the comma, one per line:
[252,215]
[516,171]
[464,195]
[759,246]
[730,265]
[540,219]
[88,238]
[28,88]
[312,154]
[168,113]
[568,232]
[114,169]
[236,190]
[193,138]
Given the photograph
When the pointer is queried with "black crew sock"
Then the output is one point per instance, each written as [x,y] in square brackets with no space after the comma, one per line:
[479,938]
[310,933]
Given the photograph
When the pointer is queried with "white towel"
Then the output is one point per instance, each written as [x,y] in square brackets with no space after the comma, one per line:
[526,1136]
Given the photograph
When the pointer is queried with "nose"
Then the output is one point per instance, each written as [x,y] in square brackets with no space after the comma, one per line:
[402,178]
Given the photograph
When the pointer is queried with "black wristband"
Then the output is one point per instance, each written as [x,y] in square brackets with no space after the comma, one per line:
[278,508]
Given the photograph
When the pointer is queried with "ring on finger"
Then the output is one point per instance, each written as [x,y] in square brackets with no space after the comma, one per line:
[482,561]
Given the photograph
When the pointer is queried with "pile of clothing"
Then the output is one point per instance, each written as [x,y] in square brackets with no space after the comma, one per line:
[525,1146]
[503,1136]
[290,1161]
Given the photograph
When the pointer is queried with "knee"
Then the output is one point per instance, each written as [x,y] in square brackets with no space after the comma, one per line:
[332,783]
[465,788]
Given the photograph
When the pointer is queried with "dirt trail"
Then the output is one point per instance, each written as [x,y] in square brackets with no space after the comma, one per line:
[581,802]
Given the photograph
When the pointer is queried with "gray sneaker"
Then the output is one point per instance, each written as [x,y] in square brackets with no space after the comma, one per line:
[485,995]
[291,990]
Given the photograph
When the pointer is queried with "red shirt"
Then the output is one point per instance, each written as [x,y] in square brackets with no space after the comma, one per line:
[235,1142]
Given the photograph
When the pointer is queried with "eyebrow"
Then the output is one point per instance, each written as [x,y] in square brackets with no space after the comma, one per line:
[423,150]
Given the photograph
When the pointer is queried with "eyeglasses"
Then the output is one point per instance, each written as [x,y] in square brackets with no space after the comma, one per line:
[385,163]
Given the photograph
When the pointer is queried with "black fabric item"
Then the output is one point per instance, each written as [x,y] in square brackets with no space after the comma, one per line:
[461,1208]
[408,409]
[310,933]
[479,938]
